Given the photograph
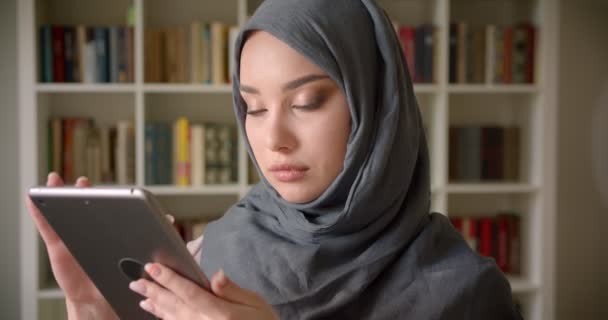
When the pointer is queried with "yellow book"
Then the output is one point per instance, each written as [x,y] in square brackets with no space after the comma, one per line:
[183,152]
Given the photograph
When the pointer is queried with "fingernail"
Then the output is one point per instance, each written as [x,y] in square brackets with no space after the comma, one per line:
[171,218]
[146,305]
[52,173]
[153,270]
[138,287]
[222,279]
[81,179]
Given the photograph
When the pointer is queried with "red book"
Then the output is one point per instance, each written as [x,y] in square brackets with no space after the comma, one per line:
[508,55]
[485,237]
[407,37]
[502,243]
[514,244]
[58,62]
[530,49]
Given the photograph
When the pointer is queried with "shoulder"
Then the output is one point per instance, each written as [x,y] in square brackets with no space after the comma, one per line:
[466,282]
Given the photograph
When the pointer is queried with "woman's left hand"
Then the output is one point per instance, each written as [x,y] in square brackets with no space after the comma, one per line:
[179,298]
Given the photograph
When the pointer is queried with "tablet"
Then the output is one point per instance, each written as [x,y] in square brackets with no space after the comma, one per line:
[113,233]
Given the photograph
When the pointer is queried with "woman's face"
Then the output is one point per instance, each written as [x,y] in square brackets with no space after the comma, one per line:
[298,121]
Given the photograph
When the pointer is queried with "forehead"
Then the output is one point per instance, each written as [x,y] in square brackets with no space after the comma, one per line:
[266,57]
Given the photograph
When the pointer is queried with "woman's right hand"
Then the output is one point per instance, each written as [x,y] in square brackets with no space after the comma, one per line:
[83,299]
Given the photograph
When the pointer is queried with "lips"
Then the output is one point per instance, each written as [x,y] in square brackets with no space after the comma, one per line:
[286,172]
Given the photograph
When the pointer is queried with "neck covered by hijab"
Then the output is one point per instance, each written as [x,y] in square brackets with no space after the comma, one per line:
[360,249]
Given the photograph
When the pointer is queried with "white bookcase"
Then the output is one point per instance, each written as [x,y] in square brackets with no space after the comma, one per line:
[532,107]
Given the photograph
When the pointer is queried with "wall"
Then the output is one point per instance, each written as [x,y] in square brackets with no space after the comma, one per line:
[582,218]
[9,180]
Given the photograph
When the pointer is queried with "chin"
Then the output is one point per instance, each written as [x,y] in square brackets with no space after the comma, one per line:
[296,194]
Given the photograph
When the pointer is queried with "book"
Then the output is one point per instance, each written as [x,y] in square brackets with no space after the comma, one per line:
[58,59]
[124,156]
[219,43]
[46,53]
[198,155]
[182,131]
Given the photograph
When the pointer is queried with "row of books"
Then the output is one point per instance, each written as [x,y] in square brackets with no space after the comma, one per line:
[190,229]
[190,154]
[491,53]
[493,236]
[418,44]
[104,154]
[484,153]
[198,53]
[87,54]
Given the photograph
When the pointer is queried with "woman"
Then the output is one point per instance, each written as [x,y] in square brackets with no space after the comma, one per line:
[339,227]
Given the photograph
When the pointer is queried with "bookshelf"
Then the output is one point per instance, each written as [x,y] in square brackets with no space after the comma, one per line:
[444,104]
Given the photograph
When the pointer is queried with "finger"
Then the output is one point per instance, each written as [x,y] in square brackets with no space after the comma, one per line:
[189,292]
[83,182]
[225,288]
[46,232]
[170,218]
[161,302]
[194,246]
[54,180]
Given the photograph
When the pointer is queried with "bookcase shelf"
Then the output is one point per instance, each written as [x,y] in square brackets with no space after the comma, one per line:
[493,88]
[444,104]
[482,188]
[186,88]
[202,190]
[98,87]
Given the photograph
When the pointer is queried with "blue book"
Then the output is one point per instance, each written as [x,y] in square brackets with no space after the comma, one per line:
[102,54]
[69,53]
[165,153]
[149,151]
[46,54]
[113,53]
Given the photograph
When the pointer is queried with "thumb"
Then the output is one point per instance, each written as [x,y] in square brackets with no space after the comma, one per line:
[225,288]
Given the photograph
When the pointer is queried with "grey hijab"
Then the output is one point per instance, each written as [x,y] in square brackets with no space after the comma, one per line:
[367,247]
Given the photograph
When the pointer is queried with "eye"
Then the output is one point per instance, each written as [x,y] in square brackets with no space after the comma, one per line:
[255,112]
[308,107]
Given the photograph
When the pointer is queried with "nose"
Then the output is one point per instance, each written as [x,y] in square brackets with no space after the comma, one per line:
[280,134]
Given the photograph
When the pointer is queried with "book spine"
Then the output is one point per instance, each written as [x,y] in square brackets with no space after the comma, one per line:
[58,59]
[453,52]
[113,54]
[69,53]
[508,55]
[195,52]
[80,53]
[502,243]
[148,153]
[183,155]
[46,53]
[101,43]
[68,152]
[461,71]
[485,237]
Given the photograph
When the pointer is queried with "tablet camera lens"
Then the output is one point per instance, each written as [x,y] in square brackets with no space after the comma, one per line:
[42,203]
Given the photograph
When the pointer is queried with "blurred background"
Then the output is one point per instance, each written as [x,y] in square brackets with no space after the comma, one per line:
[532,75]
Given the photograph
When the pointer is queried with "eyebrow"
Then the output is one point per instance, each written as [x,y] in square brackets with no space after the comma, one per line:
[291,85]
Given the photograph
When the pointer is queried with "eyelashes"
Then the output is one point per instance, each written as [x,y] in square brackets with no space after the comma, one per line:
[306,107]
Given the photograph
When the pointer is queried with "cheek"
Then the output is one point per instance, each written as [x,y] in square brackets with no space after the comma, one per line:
[327,140]
[254,137]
